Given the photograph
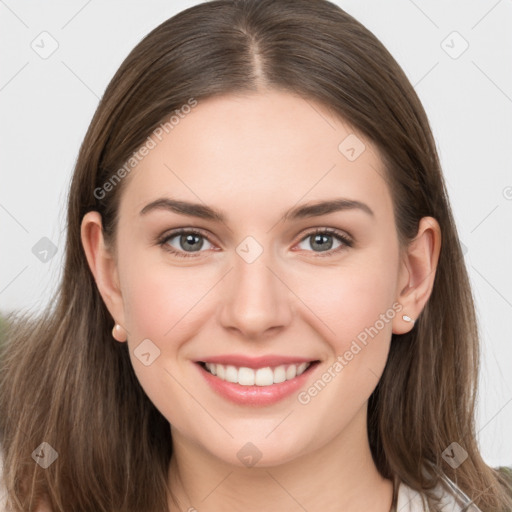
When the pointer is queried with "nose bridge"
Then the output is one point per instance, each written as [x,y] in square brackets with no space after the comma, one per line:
[254,300]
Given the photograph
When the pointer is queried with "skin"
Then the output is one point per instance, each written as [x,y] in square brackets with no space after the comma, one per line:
[252,157]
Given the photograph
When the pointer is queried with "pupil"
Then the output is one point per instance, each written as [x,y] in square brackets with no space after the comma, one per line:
[189,241]
[322,241]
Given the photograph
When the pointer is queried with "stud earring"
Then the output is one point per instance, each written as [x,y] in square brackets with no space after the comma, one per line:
[407,318]
[118,333]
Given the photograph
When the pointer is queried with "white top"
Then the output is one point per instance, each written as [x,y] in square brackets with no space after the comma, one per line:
[410,500]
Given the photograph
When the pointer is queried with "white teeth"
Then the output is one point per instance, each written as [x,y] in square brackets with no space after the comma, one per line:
[260,377]
[279,374]
[211,368]
[246,376]
[291,372]
[302,368]
[221,371]
[264,377]
[231,374]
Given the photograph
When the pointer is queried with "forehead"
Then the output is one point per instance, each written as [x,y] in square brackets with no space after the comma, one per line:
[258,149]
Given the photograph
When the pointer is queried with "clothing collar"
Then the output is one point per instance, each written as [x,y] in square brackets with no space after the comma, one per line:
[451,499]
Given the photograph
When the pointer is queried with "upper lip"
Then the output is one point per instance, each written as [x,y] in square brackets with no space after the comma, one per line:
[256,362]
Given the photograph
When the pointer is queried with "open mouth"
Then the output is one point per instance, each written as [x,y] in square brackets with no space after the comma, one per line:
[266,376]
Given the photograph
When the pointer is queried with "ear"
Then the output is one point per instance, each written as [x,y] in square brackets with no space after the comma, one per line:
[102,263]
[417,273]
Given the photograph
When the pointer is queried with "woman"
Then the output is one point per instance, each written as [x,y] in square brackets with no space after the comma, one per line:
[264,304]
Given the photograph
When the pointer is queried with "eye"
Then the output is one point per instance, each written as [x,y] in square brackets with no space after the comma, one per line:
[184,243]
[323,239]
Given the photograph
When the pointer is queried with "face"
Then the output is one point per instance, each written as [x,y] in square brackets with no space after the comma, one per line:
[254,272]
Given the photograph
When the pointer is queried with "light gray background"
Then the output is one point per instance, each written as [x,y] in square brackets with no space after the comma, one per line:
[46,105]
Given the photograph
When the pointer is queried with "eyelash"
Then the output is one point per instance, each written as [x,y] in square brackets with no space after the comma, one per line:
[346,242]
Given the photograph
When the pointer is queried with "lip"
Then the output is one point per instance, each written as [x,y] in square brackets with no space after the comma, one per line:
[256,396]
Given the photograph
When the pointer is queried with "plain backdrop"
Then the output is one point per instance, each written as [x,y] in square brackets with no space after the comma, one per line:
[58,56]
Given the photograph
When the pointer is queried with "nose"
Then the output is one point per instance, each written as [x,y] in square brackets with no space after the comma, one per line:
[255,298]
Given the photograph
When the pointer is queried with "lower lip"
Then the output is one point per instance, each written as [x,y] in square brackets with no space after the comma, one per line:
[256,395]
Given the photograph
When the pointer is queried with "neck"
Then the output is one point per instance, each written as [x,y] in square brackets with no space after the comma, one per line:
[339,476]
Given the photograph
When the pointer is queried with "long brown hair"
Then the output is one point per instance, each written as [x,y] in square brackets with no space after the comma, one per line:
[66,382]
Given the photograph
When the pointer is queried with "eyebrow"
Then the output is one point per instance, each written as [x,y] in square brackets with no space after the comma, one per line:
[202,211]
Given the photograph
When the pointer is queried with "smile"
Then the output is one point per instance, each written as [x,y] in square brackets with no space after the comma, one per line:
[256,382]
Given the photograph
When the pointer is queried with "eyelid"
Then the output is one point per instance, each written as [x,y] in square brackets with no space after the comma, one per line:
[330,231]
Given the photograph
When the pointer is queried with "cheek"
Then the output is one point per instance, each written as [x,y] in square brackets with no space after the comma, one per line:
[354,306]
[154,301]
[355,319]
[163,304]
[160,299]
[350,297]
